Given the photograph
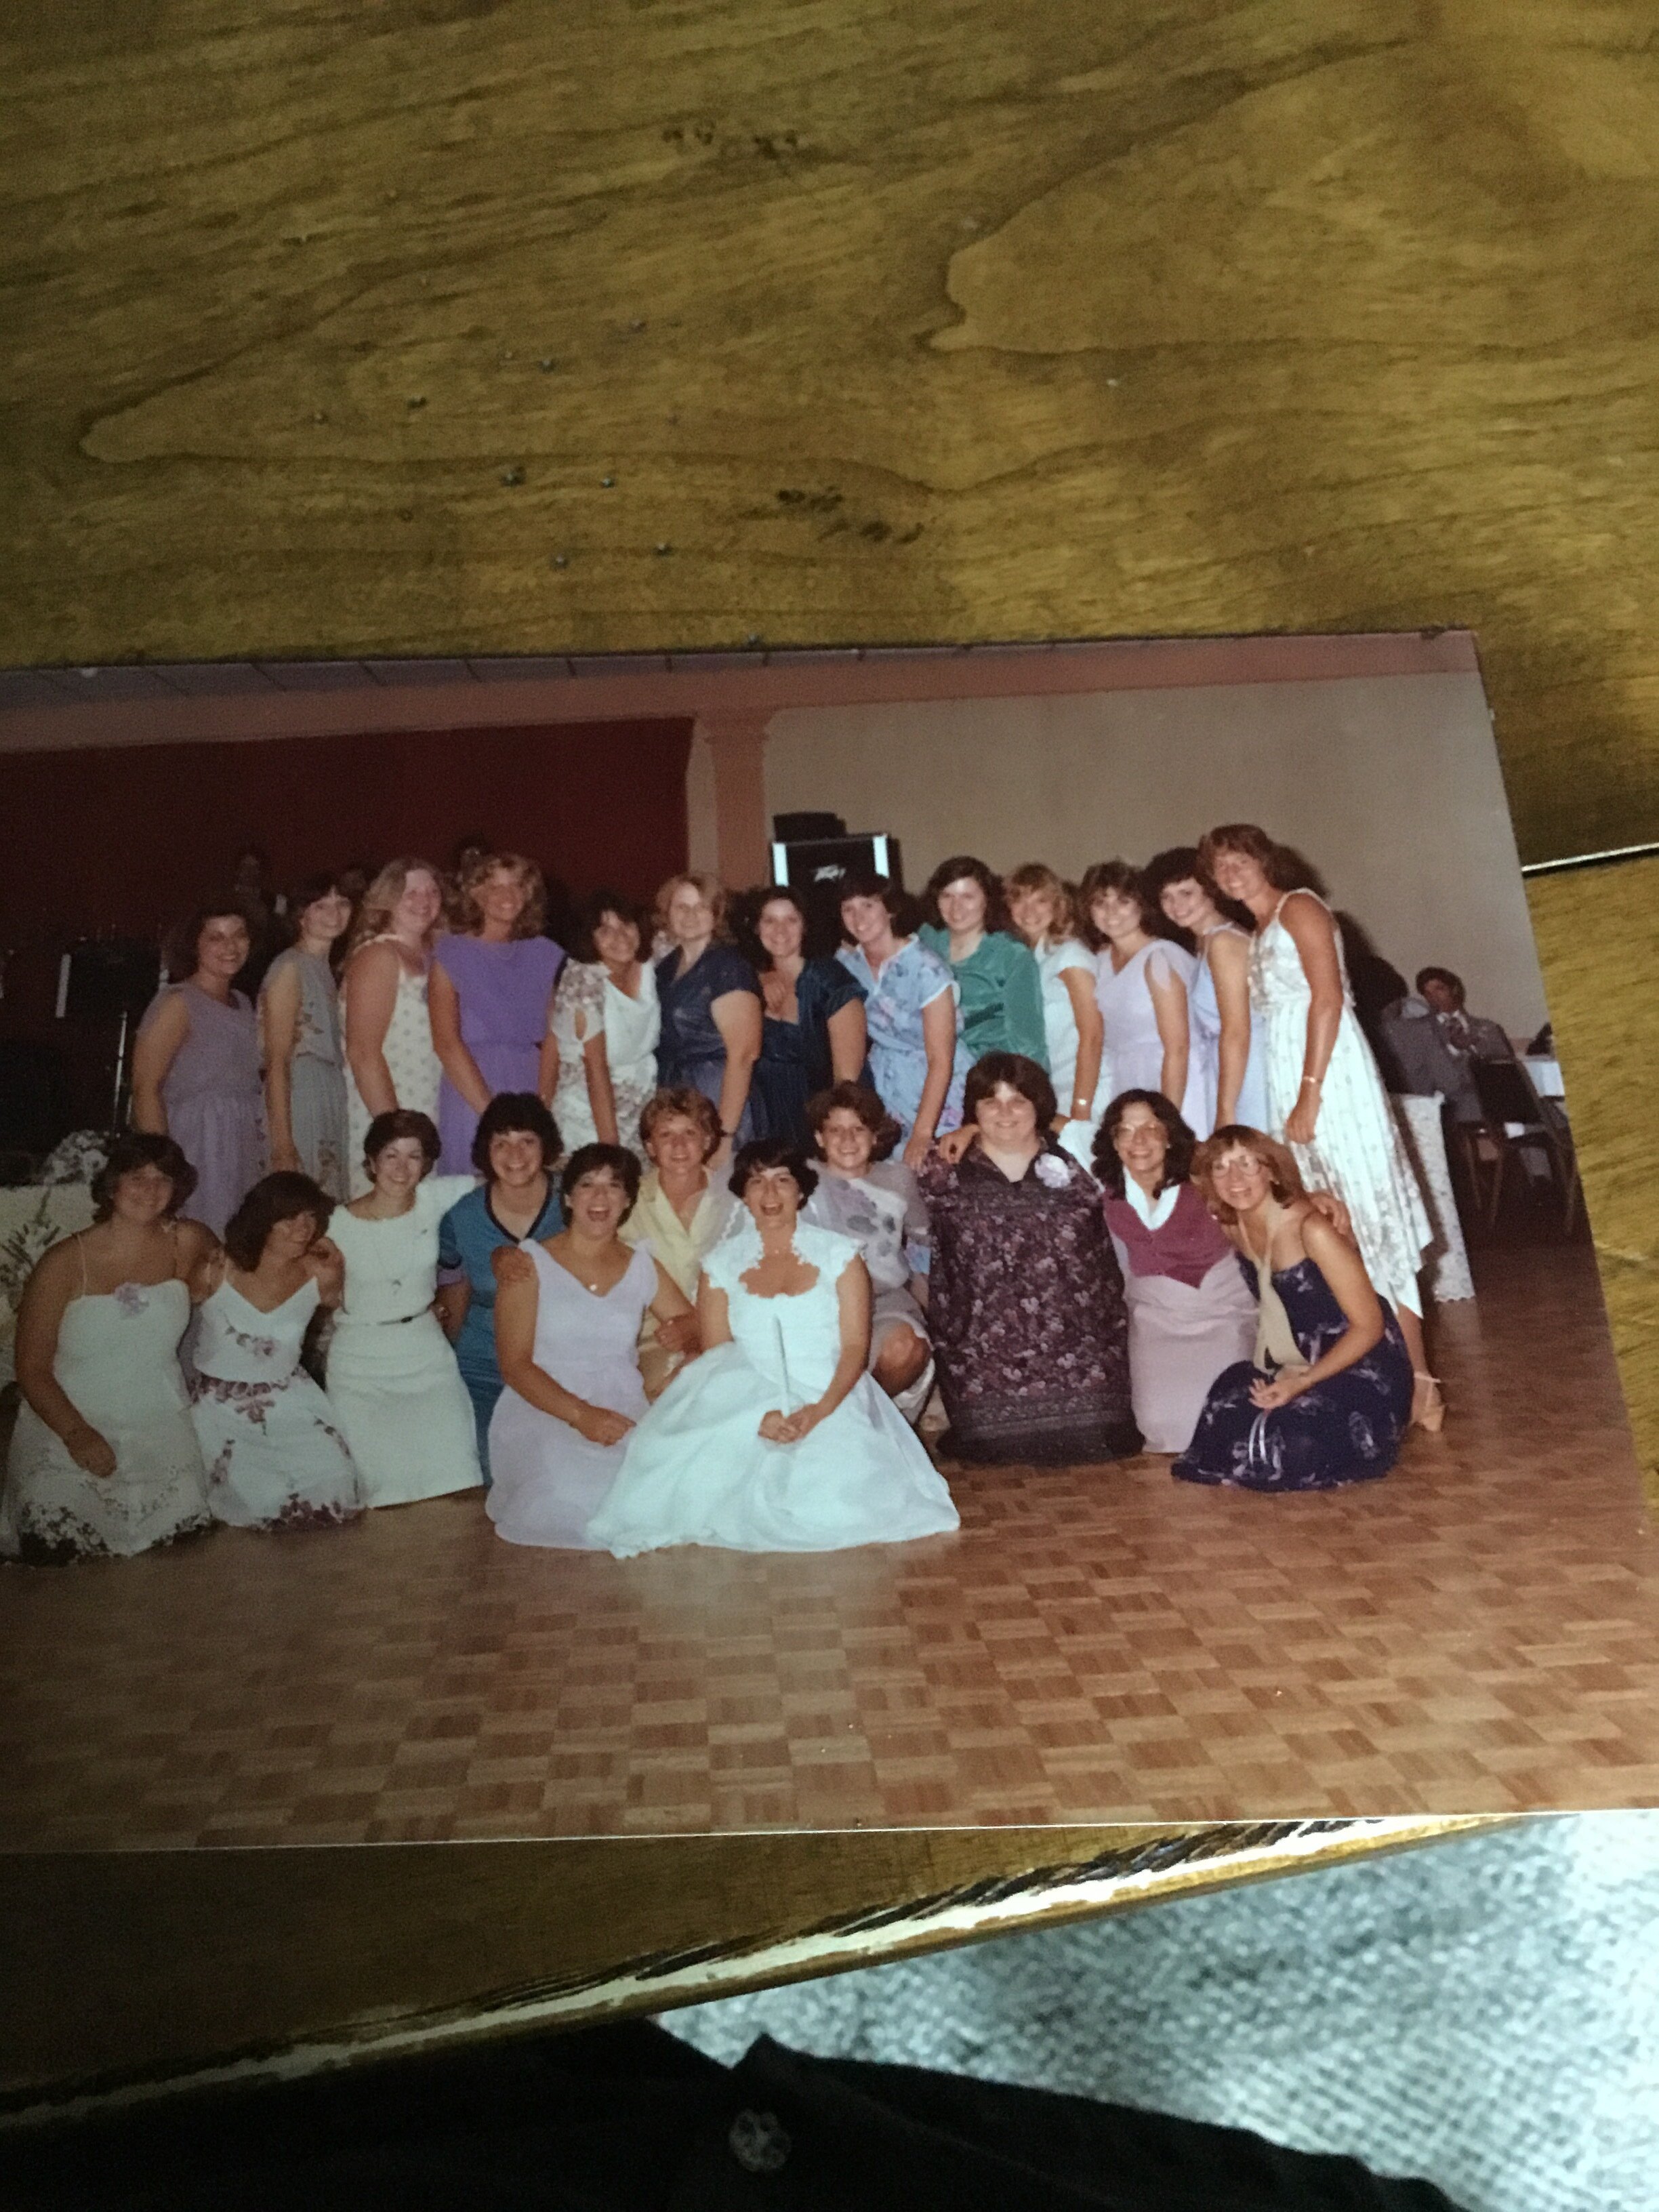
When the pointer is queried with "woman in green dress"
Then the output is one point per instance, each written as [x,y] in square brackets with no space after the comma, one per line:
[996,974]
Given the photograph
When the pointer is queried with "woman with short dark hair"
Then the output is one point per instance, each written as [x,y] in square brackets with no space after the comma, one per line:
[998,982]
[876,1202]
[103,1461]
[513,1149]
[567,1313]
[812,1028]
[1024,1301]
[918,1061]
[391,1374]
[776,1439]
[1191,1314]
[195,1064]
[275,1455]
[1142,984]
[605,1025]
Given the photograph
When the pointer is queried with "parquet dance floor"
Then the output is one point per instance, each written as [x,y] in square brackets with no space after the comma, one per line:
[1478,1631]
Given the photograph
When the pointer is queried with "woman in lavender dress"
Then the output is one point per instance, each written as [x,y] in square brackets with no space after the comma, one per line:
[196,1067]
[490,994]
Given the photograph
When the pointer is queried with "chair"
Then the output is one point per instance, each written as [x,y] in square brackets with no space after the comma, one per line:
[1512,1116]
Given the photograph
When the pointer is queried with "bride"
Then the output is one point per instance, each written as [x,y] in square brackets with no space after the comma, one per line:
[776,1439]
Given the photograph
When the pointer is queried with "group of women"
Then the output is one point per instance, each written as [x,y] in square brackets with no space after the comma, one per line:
[1017,1145]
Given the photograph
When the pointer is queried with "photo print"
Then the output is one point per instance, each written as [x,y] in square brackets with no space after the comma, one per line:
[867,1238]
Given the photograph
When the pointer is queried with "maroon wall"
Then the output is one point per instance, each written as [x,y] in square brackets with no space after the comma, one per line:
[127,839]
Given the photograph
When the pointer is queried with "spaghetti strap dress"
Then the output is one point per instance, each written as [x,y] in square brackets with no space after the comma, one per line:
[276,1455]
[1357,1153]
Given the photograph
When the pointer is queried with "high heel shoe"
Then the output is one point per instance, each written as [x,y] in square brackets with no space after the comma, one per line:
[1431,1415]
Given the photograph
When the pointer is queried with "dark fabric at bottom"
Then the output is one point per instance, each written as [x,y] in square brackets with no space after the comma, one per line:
[627,2120]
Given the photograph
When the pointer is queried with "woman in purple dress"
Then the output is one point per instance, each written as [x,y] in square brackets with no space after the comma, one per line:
[196,1067]
[490,994]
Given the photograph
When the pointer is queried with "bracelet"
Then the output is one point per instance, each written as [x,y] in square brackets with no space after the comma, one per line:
[725,1132]
[1080,1108]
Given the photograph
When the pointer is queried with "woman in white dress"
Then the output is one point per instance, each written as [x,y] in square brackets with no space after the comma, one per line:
[391,1059]
[605,1026]
[392,1375]
[1227,1035]
[567,1315]
[1043,910]
[276,1456]
[1142,986]
[877,1203]
[1325,1096]
[104,1463]
[776,1439]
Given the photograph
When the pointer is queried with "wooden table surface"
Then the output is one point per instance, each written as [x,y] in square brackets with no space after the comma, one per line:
[441,326]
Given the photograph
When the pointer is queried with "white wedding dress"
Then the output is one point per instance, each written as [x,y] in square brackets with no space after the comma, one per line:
[697,1470]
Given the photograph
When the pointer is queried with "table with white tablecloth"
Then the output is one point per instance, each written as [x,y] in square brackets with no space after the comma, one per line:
[1446,1262]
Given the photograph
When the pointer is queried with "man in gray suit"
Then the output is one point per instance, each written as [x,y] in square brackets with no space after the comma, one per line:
[1434,1039]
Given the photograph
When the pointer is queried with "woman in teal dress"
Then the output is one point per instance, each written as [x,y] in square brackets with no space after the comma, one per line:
[996,972]
[513,1148]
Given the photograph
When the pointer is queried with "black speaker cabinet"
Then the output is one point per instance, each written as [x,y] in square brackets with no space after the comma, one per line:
[104,977]
[816,868]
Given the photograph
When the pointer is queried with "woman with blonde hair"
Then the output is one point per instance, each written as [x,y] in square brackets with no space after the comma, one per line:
[391,1063]
[711,1005]
[1043,910]
[1325,1096]
[1326,1396]
[492,997]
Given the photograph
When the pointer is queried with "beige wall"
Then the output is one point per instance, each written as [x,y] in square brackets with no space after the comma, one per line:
[1390,784]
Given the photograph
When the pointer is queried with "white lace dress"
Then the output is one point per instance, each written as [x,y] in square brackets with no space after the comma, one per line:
[586,1000]
[276,1455]
[117,1364]
[411,1062]
[697,1470]
[1358,1151]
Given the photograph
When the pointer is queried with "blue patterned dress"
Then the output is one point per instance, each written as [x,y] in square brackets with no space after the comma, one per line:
[1347,1428]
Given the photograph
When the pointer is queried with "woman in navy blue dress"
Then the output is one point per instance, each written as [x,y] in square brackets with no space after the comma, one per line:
[711,1007]
[1327,1396]
[813,1034]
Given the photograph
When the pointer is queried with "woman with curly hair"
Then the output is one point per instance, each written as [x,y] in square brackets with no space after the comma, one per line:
[876,1202]
[1024,1301]
[1190,1310]
[195,1064]
[492,997]
[1326,1396]
[391,1063]
[103,1461]
[1326,1098]
[711,1007]
[965,921]
[275,1454]
[776,1439]
[605,1025]
[813,1029]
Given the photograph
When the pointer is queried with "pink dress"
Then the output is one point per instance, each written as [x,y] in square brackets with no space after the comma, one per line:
[1192,1314]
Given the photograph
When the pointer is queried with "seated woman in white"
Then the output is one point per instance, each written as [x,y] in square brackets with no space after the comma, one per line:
[776,1439]
[568,1314]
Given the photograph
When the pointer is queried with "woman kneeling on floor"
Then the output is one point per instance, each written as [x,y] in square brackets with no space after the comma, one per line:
[1327,1396]
[776,1439]
[567,1315]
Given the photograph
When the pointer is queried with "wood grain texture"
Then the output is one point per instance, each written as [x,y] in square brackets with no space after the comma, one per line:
[1598,937]
[964,320]
[967,320]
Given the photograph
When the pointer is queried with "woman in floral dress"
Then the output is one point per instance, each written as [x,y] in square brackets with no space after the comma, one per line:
[912,1013]
[276,1455]
[392,1063]
[604,1029]
[1025,1302]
